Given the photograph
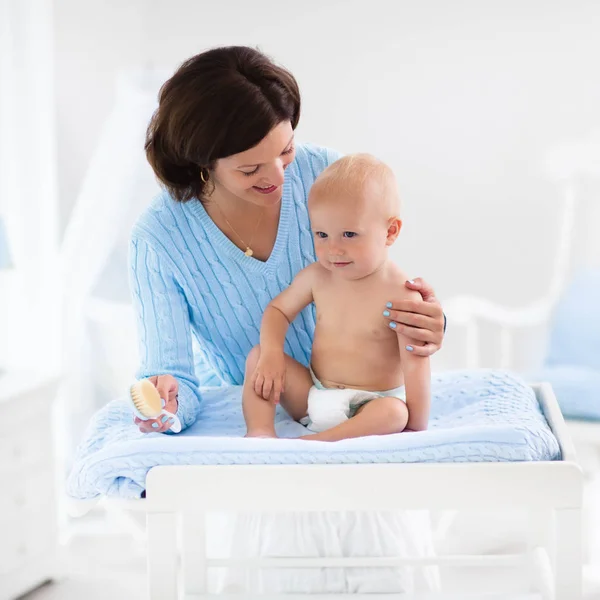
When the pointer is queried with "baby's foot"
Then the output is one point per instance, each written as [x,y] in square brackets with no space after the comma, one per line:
[260,433]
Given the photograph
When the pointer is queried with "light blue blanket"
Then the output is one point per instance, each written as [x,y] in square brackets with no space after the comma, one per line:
[476,416]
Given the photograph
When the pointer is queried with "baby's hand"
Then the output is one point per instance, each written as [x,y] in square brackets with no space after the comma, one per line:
[269,375]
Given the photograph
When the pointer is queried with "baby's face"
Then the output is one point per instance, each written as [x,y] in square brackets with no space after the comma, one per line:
[351,235]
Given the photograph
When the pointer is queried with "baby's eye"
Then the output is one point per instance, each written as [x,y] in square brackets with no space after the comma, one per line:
[321,234]
[350,234]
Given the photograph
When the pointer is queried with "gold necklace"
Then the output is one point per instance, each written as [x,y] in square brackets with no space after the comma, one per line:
[249,251]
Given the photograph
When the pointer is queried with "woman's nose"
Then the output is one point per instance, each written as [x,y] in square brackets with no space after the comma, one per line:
[275,175]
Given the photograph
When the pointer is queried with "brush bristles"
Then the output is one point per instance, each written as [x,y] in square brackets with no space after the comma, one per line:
[146,398]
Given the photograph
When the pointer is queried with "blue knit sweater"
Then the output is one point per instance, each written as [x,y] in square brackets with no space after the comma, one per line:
[199,300]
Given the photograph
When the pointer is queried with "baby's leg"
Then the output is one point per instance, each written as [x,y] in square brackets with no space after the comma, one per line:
[260,413]
[378,417]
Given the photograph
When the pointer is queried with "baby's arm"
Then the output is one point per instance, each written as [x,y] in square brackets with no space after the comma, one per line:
[269,375]
[284,308]
[417,383]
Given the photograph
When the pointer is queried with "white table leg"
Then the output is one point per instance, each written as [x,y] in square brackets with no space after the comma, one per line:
[193,528]
[542,535]
[162,555]
[568,566]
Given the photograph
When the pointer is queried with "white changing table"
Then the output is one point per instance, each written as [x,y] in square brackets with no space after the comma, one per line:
[551,491]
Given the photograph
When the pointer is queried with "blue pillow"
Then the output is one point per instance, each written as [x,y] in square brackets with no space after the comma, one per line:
[572,364]
[577,390]
[575,325]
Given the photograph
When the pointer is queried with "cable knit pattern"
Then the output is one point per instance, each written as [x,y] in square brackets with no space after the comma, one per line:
[189,281]
[476,416]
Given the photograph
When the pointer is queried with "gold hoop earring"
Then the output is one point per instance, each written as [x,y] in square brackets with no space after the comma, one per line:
[204,179]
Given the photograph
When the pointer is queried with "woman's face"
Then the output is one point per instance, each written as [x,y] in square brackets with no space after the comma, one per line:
[256,175]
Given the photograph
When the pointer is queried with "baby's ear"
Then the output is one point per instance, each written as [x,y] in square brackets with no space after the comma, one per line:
[394,227]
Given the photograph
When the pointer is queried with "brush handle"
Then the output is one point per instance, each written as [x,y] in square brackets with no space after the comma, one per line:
[176,427]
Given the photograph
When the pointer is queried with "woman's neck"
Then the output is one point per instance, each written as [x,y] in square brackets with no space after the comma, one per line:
[246,224]
[231,205]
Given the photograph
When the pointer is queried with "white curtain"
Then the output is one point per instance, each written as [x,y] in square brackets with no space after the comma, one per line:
[67,310]
[100,348]
[28,191]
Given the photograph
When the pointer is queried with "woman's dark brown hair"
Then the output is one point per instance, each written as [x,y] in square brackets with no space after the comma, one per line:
[217,103]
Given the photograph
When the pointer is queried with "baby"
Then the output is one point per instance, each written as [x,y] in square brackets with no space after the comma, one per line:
[363,378]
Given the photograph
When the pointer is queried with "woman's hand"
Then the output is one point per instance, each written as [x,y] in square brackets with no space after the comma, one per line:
[168,388]
[269,375]
[422,321]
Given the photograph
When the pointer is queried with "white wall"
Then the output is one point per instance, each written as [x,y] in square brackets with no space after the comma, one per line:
[461,97]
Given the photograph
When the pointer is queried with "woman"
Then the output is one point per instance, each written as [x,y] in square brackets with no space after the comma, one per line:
[231,228]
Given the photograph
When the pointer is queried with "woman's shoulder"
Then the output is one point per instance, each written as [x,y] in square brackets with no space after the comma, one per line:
[160,216]
[311,160]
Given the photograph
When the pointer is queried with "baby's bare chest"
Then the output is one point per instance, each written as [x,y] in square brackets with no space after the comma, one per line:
[355,312]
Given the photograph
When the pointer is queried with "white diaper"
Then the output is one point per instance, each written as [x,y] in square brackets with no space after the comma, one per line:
[328,407]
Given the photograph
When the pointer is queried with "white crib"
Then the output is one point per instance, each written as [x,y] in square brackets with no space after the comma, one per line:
[551,492]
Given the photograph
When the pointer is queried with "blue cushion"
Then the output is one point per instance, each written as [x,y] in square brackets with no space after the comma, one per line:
[572,363]
[577,390]
[575,325]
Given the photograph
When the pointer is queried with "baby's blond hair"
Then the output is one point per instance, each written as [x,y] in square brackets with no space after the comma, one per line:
[352,173]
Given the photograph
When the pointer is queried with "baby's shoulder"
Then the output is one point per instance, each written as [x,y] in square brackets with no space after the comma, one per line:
[396,288]
[314,276]
[313,273]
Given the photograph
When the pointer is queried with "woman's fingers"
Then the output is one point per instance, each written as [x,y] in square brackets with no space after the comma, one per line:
[153,425]
[420,285]
[421,320]
[415,333]
[426,350]
[411,319]
[168,387]
[429,309]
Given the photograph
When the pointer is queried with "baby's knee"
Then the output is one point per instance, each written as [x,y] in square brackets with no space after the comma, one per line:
[252,359]
[394,412]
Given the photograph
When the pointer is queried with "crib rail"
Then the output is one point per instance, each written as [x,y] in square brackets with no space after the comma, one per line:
[484,560]
[409,596]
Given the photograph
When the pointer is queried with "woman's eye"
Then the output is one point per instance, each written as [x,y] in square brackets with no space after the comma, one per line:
[321,234]
[248,173]
[350,234]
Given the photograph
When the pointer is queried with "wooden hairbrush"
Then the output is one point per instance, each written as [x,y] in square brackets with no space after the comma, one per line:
[148,405]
